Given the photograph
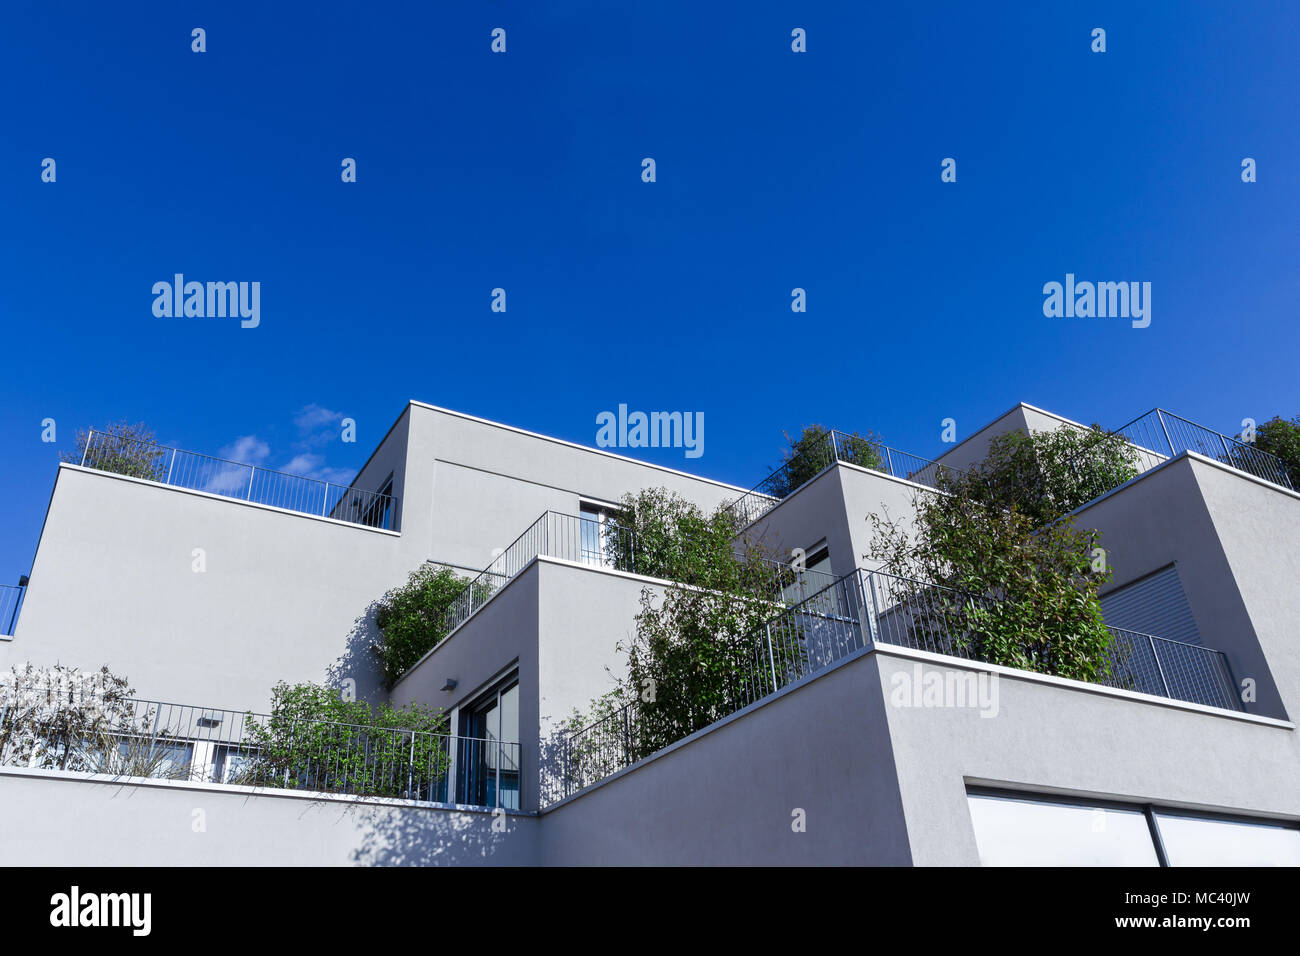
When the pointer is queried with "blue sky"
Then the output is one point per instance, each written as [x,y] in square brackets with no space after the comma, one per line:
[522,171]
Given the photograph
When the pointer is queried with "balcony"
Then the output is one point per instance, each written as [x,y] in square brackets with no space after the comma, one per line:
[1158,436]
[11,600]
[126,737]
[1155,437]
[834,446]
[870,609]
[231,479]
[599,544]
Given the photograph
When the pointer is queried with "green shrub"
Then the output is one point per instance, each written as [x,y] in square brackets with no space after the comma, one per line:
[1047,474]
[1281,438]
[690,657]
[412,618]
[813,450]
[123,449]
[314,739]
[992,569]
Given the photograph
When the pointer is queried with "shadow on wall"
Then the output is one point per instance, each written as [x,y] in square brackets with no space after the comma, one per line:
[553,775]
[358,662]
[392,836]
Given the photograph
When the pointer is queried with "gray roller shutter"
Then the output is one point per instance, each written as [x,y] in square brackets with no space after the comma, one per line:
[1155,605]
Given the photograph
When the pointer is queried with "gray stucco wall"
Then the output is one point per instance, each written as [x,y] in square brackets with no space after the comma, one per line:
[1026,418]
[728,795]
[1162,517]
[560,624]
[1258,527]
[813,512]
[1073,741]
[476,485]
[52,820]
[869,492]
[835,506]
[975,446]
[501,637]
[114,583]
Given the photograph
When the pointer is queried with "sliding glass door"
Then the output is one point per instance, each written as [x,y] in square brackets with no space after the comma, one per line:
[488,758]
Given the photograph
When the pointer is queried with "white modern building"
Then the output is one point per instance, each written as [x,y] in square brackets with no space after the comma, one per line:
[205,582]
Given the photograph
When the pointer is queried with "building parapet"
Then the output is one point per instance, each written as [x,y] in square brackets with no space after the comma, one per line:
[167,465]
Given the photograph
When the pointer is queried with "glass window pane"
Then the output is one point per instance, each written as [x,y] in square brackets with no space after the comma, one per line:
[510,714]
[1198,841]
[1012,832]
[589,522]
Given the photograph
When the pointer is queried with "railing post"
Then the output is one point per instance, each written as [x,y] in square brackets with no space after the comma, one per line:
[627,736]
[1164,683]
[1161,419]
[410,770]
[865,630]
[889,460]
[1227,455]
[171,466]
[90,435]
[1234,695]
[771,657]
[289,762]
[252,473]
[325,501]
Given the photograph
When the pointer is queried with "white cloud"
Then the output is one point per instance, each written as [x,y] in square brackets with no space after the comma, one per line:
[247,448]
[312,418]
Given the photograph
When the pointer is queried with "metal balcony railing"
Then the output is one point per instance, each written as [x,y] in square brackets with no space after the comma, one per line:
[11,599]
[875,608]
[166,465]
[822,451]
[1158,436]
[556,535]
[606,544]
[938,619]
[127,737]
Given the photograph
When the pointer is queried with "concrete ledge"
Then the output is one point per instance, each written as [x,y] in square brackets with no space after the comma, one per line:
[1011,673]
[227,499]
[312,796]
[939,660]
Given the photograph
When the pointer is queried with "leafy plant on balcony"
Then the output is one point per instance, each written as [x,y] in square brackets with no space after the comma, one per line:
[814,449]
[691,659]
[988,579]
[121,448]
[1047,474]
[412,618]
[1281,437]
[662,535]
[60,718]
[315,739]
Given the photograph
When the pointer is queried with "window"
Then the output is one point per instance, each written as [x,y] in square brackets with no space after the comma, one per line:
[1019,830]
[234,763]
[1205,841]
[489,752]
[819,558]
[815,575]
[1012,832]
[1155,604]
[379,509]
[599,536]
